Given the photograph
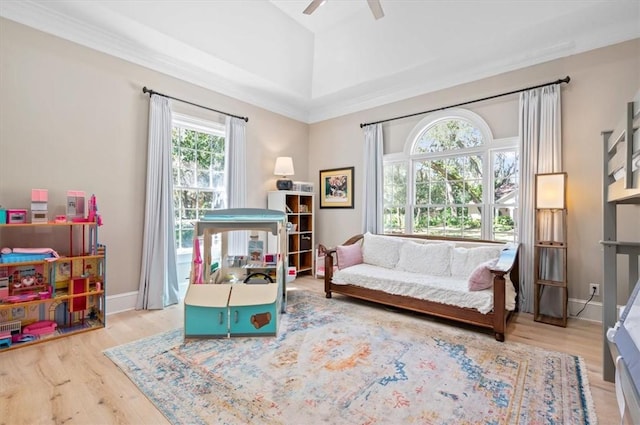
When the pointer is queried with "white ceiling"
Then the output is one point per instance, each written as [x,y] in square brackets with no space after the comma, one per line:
[339,59]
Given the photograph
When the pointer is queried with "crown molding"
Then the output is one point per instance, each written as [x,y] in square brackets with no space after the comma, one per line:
[412,83]
[194,66]
[236,83]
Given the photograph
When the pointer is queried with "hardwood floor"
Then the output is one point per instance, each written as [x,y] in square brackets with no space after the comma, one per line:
[70,380]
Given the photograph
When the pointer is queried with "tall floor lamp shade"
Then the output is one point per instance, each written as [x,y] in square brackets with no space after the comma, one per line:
[550,191]
[550,253]
[284,168]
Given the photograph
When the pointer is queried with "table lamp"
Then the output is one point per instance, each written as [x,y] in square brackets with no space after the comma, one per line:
[284,168]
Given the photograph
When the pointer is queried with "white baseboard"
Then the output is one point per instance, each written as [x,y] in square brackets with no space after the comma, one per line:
[593,311]
[121,302]
[127,301]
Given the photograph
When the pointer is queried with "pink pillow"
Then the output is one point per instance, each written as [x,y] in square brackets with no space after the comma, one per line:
[481,278]
[349,255]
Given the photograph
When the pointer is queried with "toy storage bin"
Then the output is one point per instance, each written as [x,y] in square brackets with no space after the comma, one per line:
[205,310]
[305,243]
[254,309]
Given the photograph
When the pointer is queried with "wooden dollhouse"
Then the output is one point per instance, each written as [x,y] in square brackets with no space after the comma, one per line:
[47,293]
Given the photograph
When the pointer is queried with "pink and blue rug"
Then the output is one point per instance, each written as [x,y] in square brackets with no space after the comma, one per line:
[342,362]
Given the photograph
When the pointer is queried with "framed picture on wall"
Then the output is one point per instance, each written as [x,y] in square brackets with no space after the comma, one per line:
[336,188]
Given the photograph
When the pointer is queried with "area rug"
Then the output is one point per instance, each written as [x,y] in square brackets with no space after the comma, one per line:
[337,361]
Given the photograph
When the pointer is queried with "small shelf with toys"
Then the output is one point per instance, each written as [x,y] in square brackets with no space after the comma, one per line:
[299,208]
[52,292]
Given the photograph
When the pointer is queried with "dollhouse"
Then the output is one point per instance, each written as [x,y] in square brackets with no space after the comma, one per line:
[46,293]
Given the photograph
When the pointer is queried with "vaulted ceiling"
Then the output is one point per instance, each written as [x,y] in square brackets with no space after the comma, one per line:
[339,59]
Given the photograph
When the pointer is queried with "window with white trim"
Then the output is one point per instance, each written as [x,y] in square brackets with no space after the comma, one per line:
[198,153]
[453,179]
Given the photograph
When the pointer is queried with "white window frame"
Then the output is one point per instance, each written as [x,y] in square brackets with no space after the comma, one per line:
[202,126]
[400,160]
[487,151]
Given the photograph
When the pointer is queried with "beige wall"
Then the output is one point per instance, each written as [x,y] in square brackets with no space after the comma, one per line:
[602,81]
[74,118]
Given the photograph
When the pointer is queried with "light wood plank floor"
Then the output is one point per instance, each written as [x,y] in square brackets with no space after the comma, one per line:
[70,380]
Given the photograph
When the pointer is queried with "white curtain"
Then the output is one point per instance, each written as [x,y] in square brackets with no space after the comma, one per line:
[158,275]
[372,201]
[541,152]
[236,184]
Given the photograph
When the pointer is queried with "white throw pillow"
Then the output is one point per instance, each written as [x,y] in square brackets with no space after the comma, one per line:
[430,259]
[465,260]
[382,251]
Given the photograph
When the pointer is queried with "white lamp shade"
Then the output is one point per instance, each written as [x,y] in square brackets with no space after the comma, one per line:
[551,191]
[284,166]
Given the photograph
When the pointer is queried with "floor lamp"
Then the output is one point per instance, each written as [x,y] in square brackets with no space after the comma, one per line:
[550,246]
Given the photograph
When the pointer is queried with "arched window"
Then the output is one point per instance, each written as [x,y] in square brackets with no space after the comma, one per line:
[453,179]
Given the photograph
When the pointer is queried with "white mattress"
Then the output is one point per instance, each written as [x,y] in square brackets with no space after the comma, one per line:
[441,289]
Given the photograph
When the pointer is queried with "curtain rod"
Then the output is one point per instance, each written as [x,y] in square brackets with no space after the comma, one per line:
[562,80]
[146,90]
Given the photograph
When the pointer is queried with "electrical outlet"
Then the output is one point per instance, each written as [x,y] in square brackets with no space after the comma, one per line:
[594,288]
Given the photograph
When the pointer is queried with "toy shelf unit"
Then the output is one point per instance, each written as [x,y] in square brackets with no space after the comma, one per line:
[236,295]
[299,210]
[51,292]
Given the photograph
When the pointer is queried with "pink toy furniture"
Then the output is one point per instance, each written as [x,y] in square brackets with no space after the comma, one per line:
[39,198]
[42,327]
[15,216]
[39,195]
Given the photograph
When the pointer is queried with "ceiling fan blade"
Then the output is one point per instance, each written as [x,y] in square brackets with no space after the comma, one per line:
[376,8]
[313,6]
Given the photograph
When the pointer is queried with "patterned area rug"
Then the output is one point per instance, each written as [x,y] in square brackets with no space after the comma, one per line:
[336,361]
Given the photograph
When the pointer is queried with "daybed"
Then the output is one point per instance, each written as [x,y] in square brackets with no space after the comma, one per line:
[474,282]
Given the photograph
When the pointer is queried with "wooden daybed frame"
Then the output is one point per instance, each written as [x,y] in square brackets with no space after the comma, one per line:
[494,320]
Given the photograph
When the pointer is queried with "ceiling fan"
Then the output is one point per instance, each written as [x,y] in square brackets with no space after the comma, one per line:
[374,5]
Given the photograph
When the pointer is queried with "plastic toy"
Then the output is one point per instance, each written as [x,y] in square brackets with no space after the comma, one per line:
[225,306]
[258,277]
[197,262]
[5,339]
[42,327]
[93,211]
[21,298]
[23,338]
